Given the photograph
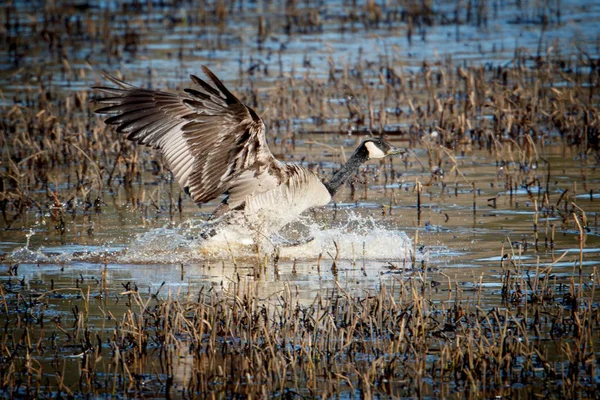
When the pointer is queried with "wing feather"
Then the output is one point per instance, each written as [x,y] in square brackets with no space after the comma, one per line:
[208,136]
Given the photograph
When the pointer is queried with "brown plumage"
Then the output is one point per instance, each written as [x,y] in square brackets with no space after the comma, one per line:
[215,145]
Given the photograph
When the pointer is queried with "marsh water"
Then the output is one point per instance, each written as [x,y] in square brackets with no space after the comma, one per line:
[380,234]
[454,216]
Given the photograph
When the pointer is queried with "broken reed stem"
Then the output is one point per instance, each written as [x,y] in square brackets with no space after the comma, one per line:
[581,245]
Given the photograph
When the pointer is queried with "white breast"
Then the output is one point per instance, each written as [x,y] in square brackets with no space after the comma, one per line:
[277,207]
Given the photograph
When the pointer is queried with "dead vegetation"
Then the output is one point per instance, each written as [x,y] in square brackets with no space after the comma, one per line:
[420,333]
[413,336]
[58,158]
[58,154]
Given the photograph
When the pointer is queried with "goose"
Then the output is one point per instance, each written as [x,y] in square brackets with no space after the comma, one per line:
[216,145]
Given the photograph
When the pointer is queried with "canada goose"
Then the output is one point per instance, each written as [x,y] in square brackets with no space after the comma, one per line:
[214,145]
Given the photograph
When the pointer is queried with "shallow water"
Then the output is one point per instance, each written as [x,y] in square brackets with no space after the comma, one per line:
[380,235]
[167,44]
[467,229]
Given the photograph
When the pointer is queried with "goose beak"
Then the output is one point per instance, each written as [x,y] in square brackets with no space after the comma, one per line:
[395,150]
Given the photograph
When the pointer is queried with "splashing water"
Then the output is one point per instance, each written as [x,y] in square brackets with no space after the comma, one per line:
[26,255]
[357,237]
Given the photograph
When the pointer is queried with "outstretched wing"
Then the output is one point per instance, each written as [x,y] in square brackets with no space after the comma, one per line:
[208,136]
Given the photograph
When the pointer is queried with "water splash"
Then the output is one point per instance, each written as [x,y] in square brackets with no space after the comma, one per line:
[39,256]
[356,238]
[185,244]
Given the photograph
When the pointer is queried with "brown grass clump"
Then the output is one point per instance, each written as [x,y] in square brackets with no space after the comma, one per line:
[413,336]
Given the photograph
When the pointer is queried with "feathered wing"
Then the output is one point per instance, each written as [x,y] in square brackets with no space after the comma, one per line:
[208,137]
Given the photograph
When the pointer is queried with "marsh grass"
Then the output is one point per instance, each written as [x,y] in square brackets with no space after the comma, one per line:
[59,159]
[420,332]
[412,336]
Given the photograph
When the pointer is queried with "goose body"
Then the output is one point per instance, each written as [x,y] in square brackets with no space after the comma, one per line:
[215,145]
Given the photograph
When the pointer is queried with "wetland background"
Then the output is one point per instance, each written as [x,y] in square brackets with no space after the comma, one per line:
[466,269]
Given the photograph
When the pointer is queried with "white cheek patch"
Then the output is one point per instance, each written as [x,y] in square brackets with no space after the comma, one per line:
[374,151]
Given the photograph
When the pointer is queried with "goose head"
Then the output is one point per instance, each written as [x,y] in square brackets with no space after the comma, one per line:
[375,148]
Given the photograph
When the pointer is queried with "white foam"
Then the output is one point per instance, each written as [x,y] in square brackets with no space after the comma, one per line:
[357,238]
[184,244]
[374,244]
[354,238]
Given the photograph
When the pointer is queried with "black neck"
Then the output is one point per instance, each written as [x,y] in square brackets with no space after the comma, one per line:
[358,158]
